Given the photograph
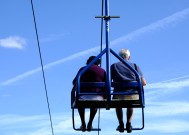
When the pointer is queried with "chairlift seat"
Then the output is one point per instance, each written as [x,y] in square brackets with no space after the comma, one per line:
[113,103]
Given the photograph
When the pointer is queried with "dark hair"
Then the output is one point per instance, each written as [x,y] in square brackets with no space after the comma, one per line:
[91,58]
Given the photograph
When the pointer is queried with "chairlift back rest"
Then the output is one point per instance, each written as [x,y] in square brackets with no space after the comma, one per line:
[132,84]
[105,103]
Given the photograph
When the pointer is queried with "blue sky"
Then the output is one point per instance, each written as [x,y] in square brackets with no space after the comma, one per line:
[155,31]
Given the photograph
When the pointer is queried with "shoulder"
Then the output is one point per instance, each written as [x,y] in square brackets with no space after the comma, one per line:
[113,66]
[117,63]
[82,68]
[95,67]
[137,68]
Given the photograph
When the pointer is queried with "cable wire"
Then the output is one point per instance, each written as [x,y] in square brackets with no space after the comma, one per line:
[44,80]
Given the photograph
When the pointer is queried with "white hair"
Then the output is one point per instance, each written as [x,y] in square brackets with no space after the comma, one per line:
[124,53]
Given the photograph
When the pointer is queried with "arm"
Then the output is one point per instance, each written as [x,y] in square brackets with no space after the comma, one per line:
[74,80]
[143,81]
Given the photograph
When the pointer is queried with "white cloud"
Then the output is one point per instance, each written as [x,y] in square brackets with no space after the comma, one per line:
[12,121]
[53,37]
[21,76]
[165,109]
[159,117]
[168,126]
[13,42]
[37,124]
[169,84]
[5,95]
[167,21]
[165,88]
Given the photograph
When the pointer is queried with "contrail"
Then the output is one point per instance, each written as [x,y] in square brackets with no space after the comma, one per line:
[165,22]
[28,73]
[169,84]
[174,18]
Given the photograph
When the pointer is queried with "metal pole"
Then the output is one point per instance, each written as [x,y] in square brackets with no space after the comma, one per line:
[107,20]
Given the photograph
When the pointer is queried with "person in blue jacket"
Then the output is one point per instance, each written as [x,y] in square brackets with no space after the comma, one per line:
[121,73]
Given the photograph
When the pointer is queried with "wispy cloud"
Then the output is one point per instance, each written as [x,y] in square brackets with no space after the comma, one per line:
[53,37]
[37,124]
[165,109]
[175,18]
[169,84]
[168,126]
[160,112]
[13,42]
[19,77]
[168,87]
[160,24]
[31,72]
[11,120]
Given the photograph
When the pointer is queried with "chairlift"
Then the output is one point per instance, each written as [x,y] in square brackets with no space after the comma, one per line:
[109,102]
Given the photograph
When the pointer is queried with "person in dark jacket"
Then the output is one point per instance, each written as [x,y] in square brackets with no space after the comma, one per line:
[94,74]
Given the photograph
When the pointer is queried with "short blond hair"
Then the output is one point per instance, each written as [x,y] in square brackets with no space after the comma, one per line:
[124,53]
